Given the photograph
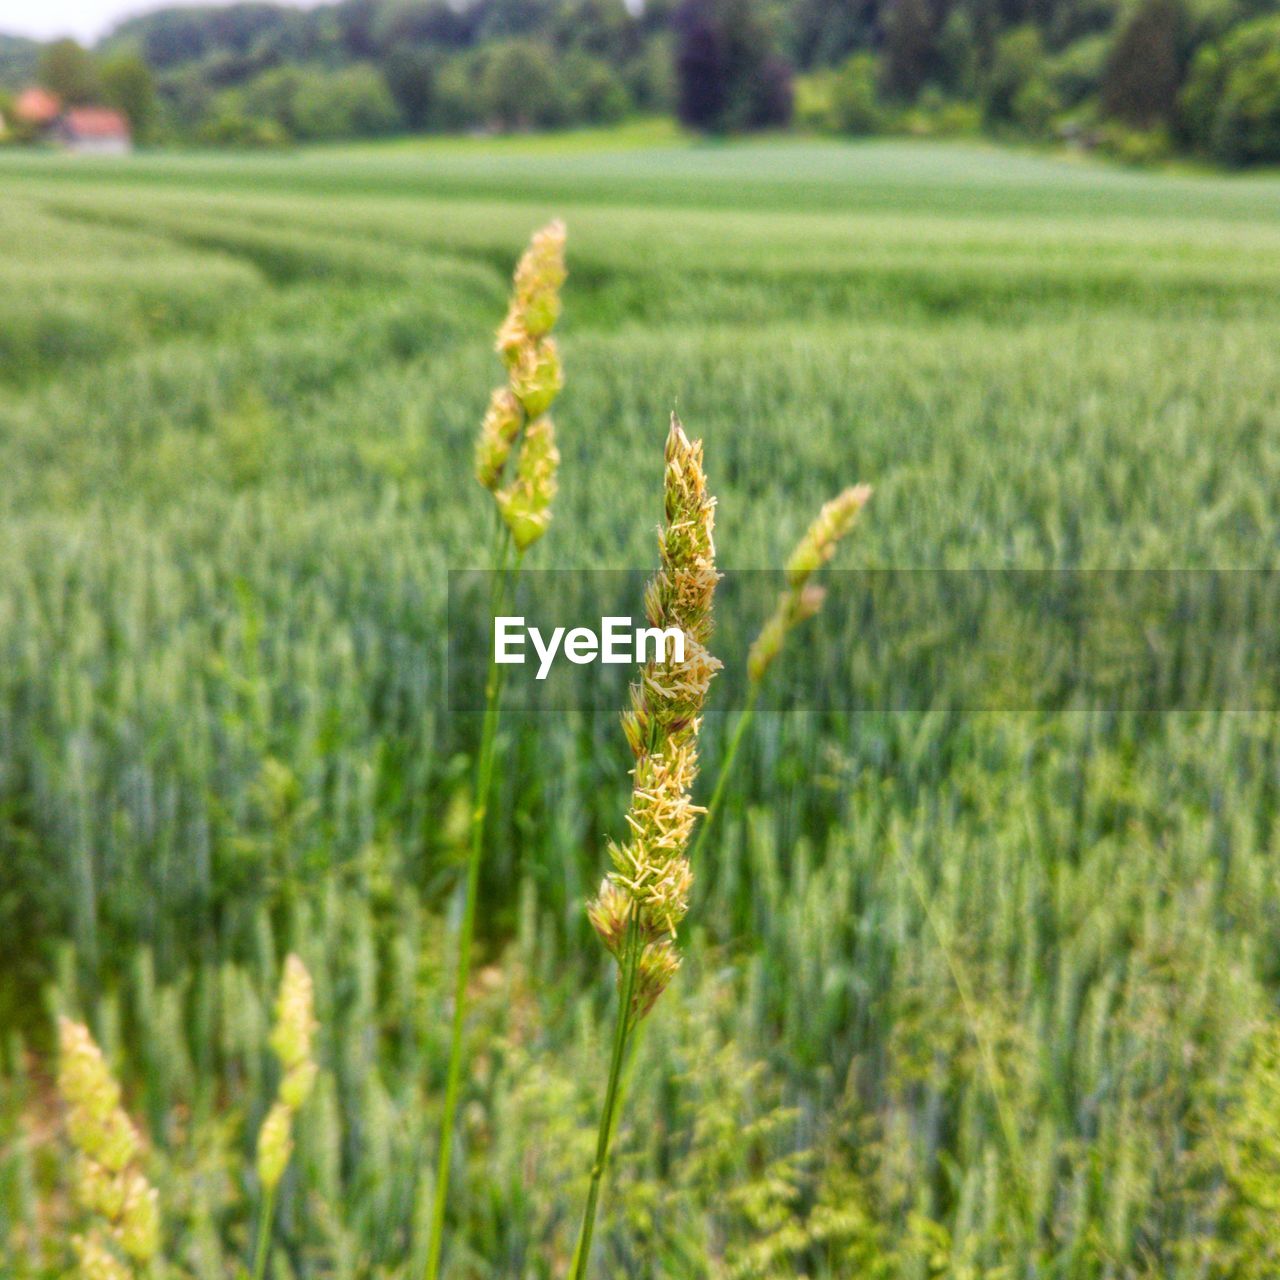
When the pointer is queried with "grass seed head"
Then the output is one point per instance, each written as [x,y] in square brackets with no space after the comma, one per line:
[819,542]
[538,278]
[537,376]
[139,1230]
[658,965]
[97,1262]
[516,419]
[526,503]
[275,1144]
[498,432]
[293,1040]
[108,1182]
[651,876]
[802,598]
[295,1015]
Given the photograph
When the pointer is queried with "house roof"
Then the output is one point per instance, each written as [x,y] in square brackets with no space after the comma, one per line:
[37,106]
[94,122]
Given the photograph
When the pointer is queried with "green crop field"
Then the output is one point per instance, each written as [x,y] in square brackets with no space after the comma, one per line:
[966,994]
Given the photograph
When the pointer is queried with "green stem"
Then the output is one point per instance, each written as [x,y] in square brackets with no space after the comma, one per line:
[479,812]
[264,1233]
[745,717]
[626,994]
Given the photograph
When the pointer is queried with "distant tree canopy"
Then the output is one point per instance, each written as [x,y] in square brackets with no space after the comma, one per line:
[1187,72]
[1232,102]
[71,72]
[729,70]
[1143,71]
[19,60]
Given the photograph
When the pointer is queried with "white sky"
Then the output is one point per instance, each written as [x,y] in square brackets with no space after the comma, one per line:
[85,19]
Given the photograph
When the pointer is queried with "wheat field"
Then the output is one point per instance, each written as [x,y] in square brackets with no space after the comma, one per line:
[985,994]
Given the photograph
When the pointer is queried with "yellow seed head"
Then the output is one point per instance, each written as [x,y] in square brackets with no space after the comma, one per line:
[140,1219]
[609,912]
[498,432]
[651,877]
[297,1084]
[536,376]
[98,1190]
[107,1181]
[97,1125]
[513,338]
[295,1015]
[84,1080]
[275,1145]
[97,1262]
[525,504]
[819,542]
[538,278]
[658,965]
[516,418]
[111,1140]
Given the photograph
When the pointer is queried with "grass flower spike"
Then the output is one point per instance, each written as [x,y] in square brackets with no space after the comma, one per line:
[517,418]
[109,1182]
[802,599]
[645,896]
[292,1040]
[523,487]
[650,879]
[799,602]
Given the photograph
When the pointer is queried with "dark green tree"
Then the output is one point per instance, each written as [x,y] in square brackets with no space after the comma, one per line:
[855,104]
[521,88]
[909,47]
[729,71]
[1231,105]
[71,71]
[127,84]
[410,74]
[1018,62]
[1143,74]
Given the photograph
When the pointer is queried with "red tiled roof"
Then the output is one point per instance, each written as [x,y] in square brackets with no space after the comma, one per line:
[95,122]
[37,106]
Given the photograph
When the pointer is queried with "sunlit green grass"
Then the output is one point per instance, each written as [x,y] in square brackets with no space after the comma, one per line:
[237,400]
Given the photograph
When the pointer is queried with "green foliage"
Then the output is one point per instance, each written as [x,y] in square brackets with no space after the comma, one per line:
[1250,1138]
[519,89]
[352,103]
[127,85]
[1232,100]
[19,60]
[1076,73]
[908,47]
[854,104]
[69,70]
[729,72]
[1018,89]
[1136,146]
[1144,70]
[238,398]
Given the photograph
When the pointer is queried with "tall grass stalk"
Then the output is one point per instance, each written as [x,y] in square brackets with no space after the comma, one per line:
[516,420]
[800,601]
[643,899]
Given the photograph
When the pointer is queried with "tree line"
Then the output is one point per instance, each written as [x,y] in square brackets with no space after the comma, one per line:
[1142,78]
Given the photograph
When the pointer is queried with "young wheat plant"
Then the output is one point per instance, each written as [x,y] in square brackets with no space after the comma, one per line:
[523,491]
[643,899]
[125,1240]
[801,599]
[292,1040]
